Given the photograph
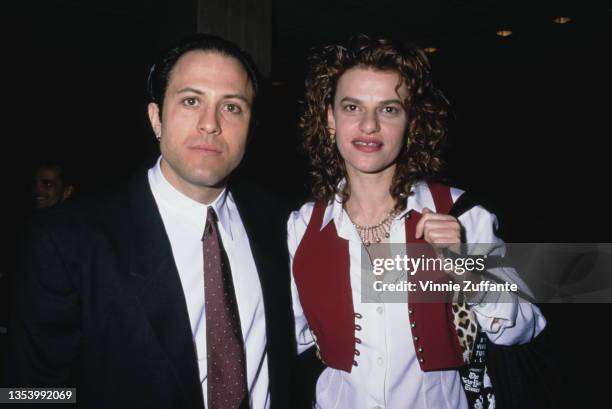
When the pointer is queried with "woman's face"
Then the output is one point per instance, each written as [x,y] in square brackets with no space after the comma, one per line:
[369,119]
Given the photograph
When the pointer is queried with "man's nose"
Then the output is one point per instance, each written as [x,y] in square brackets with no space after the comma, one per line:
[209,121]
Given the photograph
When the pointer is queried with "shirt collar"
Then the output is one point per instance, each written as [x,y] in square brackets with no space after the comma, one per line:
[193,211]
[421,198]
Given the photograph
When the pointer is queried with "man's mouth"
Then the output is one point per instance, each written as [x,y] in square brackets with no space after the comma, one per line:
[206,149]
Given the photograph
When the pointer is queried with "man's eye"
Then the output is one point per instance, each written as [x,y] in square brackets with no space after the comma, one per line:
[233,108]
[350,108]
[190,102]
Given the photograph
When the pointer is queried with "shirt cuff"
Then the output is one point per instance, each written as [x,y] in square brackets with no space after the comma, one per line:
[494,317]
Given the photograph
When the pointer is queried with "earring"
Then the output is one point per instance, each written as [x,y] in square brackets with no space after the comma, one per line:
[332,136]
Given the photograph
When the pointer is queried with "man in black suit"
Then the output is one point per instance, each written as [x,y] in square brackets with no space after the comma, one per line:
[172,292]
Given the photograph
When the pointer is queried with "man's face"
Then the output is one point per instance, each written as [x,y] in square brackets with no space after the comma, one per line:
[48,188]
[369,119]
[205,121]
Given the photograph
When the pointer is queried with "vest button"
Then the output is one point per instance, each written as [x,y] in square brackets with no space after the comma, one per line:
[412,325]
[416,338]
[421,360]
[410,311]
[420,349]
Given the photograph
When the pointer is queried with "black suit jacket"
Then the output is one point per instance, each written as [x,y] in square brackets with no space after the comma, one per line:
[99,303]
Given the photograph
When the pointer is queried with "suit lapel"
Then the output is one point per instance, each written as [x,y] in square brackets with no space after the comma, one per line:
[264,221]
[155,280]
[259,240]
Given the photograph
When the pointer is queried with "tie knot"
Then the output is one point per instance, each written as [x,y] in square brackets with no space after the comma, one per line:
[211,222]
[211,215]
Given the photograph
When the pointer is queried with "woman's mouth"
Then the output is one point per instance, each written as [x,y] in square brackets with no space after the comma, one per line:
[367,145]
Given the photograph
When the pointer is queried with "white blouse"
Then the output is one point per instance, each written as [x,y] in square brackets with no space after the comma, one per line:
[388,374]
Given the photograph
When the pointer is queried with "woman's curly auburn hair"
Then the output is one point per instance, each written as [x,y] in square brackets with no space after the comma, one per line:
[426,108]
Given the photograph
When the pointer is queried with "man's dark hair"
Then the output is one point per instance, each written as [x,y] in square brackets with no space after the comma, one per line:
[160,71]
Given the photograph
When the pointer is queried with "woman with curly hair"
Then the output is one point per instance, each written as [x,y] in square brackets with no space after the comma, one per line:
[373,128]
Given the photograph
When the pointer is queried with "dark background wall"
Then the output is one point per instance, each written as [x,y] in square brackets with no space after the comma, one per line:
[528,138]
[530,110]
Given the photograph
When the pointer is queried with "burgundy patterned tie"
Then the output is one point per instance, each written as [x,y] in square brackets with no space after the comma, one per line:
[227,385]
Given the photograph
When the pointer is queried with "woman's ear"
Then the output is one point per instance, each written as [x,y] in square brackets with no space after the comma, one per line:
[331,120]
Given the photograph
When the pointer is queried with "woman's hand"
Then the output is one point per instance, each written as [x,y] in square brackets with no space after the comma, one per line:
[439,230]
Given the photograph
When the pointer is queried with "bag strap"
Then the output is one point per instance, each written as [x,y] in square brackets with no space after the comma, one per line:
[462,205]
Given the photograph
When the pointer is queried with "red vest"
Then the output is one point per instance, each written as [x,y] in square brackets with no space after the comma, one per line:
[323,257]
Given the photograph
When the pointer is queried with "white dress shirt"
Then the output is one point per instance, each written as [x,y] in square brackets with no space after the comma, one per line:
[184,220]
[388,374]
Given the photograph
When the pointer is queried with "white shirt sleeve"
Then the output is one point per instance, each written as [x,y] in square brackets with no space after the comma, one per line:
[296,228]
[511,320]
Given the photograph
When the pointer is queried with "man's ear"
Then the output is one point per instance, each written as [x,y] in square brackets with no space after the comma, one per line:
[153,110]
[68,191]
